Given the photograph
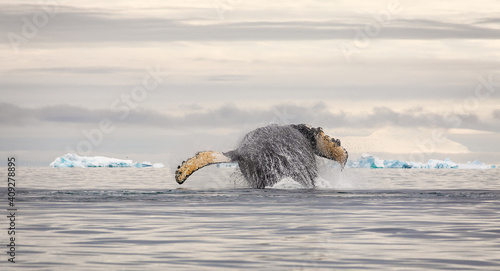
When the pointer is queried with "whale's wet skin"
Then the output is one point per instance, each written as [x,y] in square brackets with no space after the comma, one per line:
[266,155]
[138,219]
[269,154]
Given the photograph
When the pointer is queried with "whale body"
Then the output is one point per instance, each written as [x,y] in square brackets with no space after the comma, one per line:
[268,154]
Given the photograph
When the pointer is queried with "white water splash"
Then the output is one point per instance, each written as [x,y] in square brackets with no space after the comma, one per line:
[287,183]
[329,178]
[344,182]
[332,177]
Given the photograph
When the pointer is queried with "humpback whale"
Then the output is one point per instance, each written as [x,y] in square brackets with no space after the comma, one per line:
[268,154]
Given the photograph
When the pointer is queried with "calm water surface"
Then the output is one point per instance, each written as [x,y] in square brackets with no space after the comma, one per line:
[361,219]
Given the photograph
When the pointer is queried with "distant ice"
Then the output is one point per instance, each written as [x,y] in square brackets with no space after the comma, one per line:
[370,161]
[73,160]
[365,161]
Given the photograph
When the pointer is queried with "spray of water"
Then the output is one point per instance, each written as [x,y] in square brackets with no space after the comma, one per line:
[331,176]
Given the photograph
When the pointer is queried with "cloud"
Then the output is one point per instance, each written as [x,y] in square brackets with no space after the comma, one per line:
[227,77]
[15,115]
[402,140]
[496,114]
[489,21]
[231,117]
[72,114]
[72,25]
[377,130]
[77,70]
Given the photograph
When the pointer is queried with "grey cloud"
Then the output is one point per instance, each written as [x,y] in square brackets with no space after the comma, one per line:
[235,118]
[15,115]
[496,114]
[80,70]
[77,25]
[227,77]
[72,114]
[489,21]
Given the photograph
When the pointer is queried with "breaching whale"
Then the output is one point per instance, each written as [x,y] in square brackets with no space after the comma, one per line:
[268,154]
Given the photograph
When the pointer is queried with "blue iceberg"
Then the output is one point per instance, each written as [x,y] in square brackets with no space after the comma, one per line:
[366,161]
[397,164]
[73,160]
[370,161]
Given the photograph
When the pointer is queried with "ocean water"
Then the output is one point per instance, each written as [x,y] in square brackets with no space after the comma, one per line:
[358,219]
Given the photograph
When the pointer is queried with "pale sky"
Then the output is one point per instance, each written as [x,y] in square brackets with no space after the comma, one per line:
[161,80]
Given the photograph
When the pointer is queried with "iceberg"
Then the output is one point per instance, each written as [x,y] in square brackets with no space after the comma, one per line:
[367,161]
[475,165]
[74,160]
[447,163]
[370,161]
[397,164]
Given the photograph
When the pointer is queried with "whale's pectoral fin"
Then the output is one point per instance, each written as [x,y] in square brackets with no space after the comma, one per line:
[200,160]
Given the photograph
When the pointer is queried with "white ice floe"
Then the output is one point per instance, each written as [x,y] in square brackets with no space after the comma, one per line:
[73,160]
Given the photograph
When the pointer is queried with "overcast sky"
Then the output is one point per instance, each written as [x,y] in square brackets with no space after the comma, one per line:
[160,80]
